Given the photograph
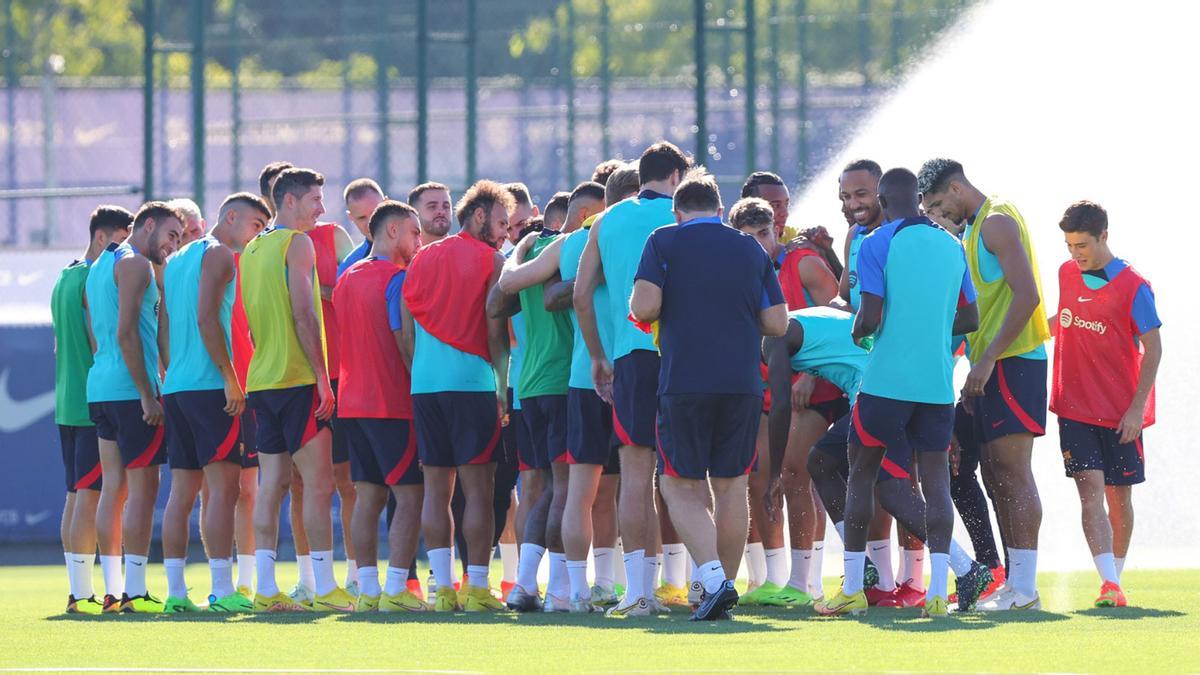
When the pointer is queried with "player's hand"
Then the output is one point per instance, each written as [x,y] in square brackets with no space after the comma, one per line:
[152,411]
[799,243]
[325,400]
[773,498]
[502,409]
[525,244]
[602,377]
[802,390]
[955,455]
[819,236]
[235,399]
[1131,423]
[981,372]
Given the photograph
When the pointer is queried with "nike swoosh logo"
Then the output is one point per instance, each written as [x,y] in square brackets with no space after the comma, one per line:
[340,608]
[251,455]
[996,425]
[1129,473]
[32,519]
[1083,299]
[137,564]
[673,553]
[17,415]
[81,561]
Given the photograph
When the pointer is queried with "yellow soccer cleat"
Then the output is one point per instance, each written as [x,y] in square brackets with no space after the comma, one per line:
[89,605]
[367,603]
[337,600]
[672,595]
[404,601]
[246,592]
[842,604]
[141,604]
[935,608]
[482,600]
[280,602]
[446,600]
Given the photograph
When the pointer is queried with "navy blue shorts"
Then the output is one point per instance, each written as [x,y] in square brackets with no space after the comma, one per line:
[340,450]
[515,435]
[198,430]
[249,452]
[968,444]
[382,451]
[287,418]
[456,428]
[589,428]
[1013,401]
[835,443]
[545,419]
[140,444]
[1087,447]
[703,435]
[81,457]
[833,410]
[902,428]
[635,397]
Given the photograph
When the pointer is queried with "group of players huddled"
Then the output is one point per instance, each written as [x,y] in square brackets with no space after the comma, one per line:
[663,377]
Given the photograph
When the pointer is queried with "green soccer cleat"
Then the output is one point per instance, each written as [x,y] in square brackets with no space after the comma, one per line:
[788,597]
[234,603]
[759,595]
[180,606]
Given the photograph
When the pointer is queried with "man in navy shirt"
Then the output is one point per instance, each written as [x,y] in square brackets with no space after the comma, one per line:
[710,388]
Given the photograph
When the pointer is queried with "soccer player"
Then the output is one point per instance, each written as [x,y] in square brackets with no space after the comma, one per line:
[630,380]
[432,202]
[1006,388]
[77,433]
[604,170]
[376,408]
[361,195]
[123,390]
[555,213]
[204,401]
[1106,356]
[459,380]
[914,286]
[584,430]
[710,388]
[289,388]
[193,220]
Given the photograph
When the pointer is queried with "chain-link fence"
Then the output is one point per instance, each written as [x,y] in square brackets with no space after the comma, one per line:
[96,108]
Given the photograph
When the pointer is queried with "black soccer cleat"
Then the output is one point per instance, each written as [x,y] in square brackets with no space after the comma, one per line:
[716,606]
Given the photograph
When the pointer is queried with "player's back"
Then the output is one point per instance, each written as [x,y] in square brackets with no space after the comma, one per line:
[568,269]
[191,368]
[72,351]
[373,380]
[109,378]
[625,227]
[828,349]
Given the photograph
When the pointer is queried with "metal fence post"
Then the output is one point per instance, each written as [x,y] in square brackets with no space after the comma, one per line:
[568,66]
[773,8]
[382,112]
[10,104]
[196,9]
[701,85]
[148,30]
[802,89]
[605,80]
[422,90]
[748,40]
[472,91]
[235,94]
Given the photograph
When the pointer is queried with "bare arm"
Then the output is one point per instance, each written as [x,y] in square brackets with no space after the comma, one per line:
[520,274]
[777,353]
[406,336]
[966,319]
[216,273]
[134,276]
[301,266]
[844,282]
[501,305]
[498,345]
[870,315]
[558,294]
[646,302]
[343,245]
[1131,423]
[164,324]
[773,320]
[816,278]
[591,273]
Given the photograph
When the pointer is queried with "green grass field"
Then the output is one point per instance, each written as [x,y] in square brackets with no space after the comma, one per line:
[1161,634]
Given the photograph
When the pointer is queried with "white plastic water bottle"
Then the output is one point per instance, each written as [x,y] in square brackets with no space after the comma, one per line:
[430,588]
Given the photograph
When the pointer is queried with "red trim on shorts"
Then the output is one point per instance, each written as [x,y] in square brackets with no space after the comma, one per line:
[893,469]
[486,456]
[410,453]
[1137,442]
[1022,417]
[522,466]
[667,468]
[753,458]
[310,427]
[143,460]
[563,457]
[89,479]
[235,434]
[866,438]
[619,429]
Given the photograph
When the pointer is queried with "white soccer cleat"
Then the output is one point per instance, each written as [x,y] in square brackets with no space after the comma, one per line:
[553,603]
[1008,598]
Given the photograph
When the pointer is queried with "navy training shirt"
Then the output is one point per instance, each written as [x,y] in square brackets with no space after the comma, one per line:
[715,282]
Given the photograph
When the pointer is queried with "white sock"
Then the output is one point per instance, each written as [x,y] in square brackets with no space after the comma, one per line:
[508,559]
[67,566]
[777,566]
[220,571]
[1022,575]
[577,573]
[79,567]
[395,581]
[264,572]
[840,528]
[1106,565]
[368,581]
[559,583]
[816,586]
[531,558]
[712,576]
[351,572]
[674,570]
[635,575]
[604,560]
[649,574]
[305,566]
[801,561]
[756,563]
[477,576]
[960,560]
[853,563]
[322,562]
[135,575]
[1120,564]
[694,572]
[939,567]
[914,568]
[114,583]
[880,553]
[440,565]
[176,585]
[619,576]
[245,570]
